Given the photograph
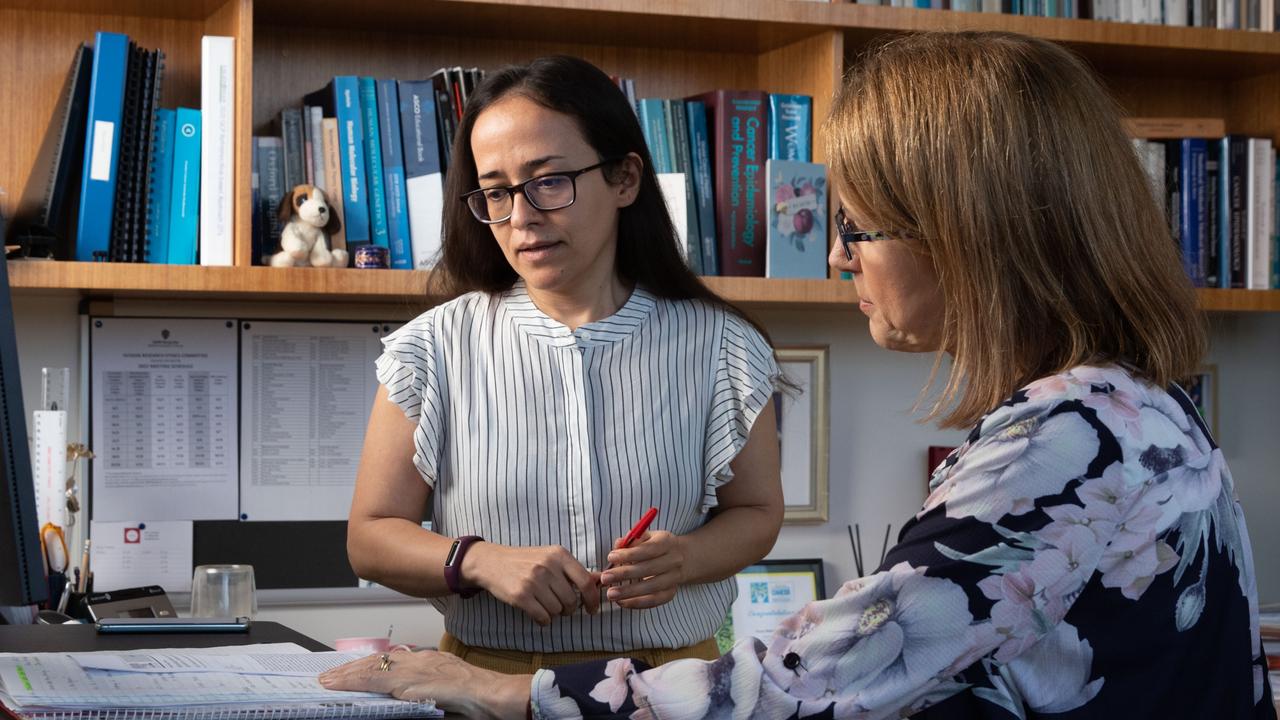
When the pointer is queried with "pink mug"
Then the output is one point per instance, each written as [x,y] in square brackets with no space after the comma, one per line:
[363,644]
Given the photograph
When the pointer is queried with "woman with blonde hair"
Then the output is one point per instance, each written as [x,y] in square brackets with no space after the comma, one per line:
[1082,554]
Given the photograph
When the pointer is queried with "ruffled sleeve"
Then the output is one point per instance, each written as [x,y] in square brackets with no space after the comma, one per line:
[746,376]
[409,368]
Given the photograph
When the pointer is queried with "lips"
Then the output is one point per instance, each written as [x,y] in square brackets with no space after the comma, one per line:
[535,247]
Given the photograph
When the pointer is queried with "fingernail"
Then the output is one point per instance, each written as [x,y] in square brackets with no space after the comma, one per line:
[613,593]
[612,558]
[326,679]
[606,579]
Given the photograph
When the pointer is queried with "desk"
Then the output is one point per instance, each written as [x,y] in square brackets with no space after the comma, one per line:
[85,638]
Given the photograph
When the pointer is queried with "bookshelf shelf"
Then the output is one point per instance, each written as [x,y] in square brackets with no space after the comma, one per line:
[1240,300]
[758,26]
[345,285]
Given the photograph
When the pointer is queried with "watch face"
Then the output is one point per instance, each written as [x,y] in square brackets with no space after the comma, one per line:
[453,552]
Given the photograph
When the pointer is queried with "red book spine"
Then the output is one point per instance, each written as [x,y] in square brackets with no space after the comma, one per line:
[738,123]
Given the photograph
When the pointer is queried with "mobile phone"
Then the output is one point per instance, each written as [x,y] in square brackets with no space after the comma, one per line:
[172,625]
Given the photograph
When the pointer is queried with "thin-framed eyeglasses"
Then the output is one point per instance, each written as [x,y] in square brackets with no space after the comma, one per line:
[552,191]
[849,234]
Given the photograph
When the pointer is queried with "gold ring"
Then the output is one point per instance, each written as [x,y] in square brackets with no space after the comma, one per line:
[385,663]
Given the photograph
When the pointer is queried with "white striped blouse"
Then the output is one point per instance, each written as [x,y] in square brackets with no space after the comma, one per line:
[530,433]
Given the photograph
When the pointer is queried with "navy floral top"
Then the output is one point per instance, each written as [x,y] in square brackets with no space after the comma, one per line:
[1082,555]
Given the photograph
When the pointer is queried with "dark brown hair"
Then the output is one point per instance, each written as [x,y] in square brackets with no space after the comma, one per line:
[648,250]
[1004,160]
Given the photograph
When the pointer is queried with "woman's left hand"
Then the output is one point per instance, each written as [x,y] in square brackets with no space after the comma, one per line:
[648,573]
[453,684]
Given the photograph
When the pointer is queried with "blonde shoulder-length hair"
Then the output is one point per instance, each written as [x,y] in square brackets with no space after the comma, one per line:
[1003,159]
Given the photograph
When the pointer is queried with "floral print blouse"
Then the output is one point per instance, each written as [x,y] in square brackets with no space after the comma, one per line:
[1082,555]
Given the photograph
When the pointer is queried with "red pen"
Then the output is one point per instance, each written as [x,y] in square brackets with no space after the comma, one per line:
[637,530]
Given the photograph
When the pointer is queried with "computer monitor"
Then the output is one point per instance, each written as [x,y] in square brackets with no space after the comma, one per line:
[22,579]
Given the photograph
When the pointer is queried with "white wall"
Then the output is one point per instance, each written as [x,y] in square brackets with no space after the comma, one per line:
[877,450]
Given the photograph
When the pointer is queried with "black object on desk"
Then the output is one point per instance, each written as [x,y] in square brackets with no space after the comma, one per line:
[84,638]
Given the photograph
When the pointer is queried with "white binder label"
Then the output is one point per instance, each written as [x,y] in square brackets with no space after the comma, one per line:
[104,135]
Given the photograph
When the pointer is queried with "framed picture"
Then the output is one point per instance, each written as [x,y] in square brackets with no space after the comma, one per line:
[1203,390]
[768,593]
[936,454]
[802,433]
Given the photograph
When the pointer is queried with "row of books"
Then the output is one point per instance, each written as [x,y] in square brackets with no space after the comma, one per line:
[735,170]
[379,149]
[119,178]
[1220,14]
[1221,196]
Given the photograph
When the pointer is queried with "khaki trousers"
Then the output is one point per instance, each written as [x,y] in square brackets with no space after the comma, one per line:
[517,662]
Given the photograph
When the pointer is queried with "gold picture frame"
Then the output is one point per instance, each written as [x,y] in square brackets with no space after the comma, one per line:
[803,428]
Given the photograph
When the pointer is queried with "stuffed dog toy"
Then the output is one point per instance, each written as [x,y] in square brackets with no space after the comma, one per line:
[309,222]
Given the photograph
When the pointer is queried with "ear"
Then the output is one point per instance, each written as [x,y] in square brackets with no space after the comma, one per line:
[334,224]
[628,174]
[285,211]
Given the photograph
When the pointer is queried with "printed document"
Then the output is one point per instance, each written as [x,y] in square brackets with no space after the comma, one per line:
[164,419]
[136,553]
[306,391]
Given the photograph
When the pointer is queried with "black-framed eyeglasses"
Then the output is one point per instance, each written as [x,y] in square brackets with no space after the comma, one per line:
[552,191]
[849,234]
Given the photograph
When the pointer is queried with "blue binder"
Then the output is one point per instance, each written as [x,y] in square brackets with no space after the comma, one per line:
[101,146]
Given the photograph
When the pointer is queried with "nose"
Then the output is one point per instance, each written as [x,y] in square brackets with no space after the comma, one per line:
[523,212]
[837,259]
[323,209]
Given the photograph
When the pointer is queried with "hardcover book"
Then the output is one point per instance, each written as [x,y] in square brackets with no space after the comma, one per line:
[790,123]
[423,169]
[737,123]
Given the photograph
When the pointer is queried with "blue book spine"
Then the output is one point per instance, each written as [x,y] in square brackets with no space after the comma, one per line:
[162,185]
[393,175]
[355,196]
[1224,212]
[423,169]
[255,202]
[102,146]
[790,123]
[1275,226]
[184,204]
[653,122]
[704,192]
[373,164]
[1192,182]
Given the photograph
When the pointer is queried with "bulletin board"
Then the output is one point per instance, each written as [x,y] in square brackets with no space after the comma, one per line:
[246,431]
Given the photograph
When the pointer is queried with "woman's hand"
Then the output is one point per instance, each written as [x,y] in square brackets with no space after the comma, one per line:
[648,573]
[453,684]
[540,581]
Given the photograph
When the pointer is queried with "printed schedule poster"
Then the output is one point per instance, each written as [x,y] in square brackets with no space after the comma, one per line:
[306,394]
[164,419]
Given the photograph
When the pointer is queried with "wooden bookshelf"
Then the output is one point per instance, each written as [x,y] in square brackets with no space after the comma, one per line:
[670,47]
[107,280]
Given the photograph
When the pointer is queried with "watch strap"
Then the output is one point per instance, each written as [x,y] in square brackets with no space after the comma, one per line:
[453,565]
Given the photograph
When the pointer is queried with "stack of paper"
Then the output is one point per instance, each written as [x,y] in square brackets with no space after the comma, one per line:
[275,681]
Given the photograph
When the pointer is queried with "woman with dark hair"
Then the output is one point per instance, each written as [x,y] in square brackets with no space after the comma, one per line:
[1082,555]
[578,375]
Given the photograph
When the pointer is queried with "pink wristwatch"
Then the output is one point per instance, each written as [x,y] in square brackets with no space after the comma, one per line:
[453,565]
